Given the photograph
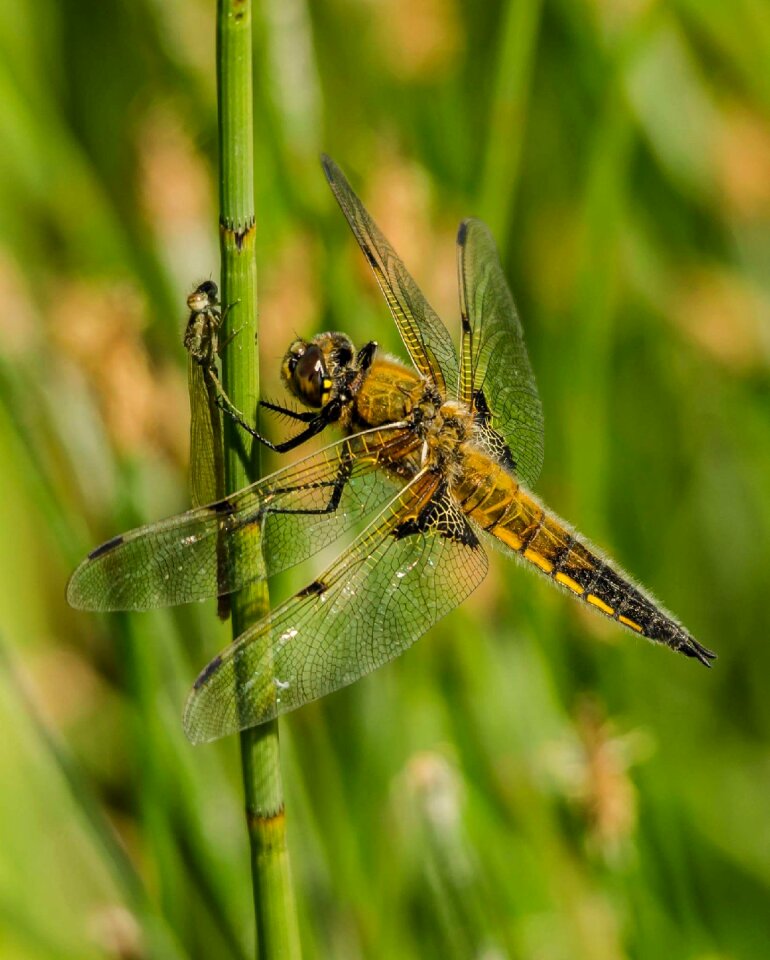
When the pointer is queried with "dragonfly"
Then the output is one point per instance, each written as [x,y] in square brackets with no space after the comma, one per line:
[201,340]
[207,400]
[436,460]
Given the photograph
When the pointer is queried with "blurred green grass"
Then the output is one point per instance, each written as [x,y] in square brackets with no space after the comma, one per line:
[528,781]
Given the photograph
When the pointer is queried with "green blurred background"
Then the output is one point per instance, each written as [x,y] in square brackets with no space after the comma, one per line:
[529,781]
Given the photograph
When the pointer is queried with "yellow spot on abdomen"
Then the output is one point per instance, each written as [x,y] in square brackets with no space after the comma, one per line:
[508,537]
[593,599]
[538,560]
[630,623]
[568,582]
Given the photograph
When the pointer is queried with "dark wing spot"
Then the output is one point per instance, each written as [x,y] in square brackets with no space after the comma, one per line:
[207,671]
[481,407]
[440,517]
[406,529]
[313,589]
[462,533]
[462,233]
[326,163]
[222,506]
[106,547]
[370,257]
[253,519]
[483,417]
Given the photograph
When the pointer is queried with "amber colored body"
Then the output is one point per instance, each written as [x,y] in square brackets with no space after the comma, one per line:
[388,394]
[491,496]
[431,464]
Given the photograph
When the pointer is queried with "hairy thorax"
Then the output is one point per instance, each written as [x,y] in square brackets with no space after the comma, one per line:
[444,429]
[390,393]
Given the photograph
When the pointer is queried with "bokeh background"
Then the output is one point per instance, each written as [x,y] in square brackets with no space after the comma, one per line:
[529,781]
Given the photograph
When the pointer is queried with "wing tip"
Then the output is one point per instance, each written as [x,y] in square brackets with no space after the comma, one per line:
[466,225]
[196,731]
[73,594]
[329,167]
[80,594]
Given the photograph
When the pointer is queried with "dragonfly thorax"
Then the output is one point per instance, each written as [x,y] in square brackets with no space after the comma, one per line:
[444,434]
[200,339]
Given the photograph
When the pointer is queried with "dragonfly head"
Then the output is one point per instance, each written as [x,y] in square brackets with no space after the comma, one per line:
[204,296]
[312,368]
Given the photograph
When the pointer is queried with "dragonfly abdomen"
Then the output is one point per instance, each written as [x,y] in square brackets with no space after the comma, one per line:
[504,509]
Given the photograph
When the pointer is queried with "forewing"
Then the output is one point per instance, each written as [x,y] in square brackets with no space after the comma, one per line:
[293,513]
[404,572]
[495,373]
[425,336]
[206,457]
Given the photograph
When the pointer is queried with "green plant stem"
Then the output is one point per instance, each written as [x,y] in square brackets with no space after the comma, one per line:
[276,920]
[519,27]
[161,938]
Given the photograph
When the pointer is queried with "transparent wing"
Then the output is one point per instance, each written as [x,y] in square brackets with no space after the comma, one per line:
[496,377]
[414,563]
[207,482]
[207,458]
[425,336]
[294,512]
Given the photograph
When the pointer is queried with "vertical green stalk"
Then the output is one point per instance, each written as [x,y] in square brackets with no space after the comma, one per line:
[276,920]
[516,50]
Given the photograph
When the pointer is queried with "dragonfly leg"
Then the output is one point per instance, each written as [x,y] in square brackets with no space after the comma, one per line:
[337,488]
[226,310]
[229,338]
[328,414]
[366,355]
[224,402]
[306,416]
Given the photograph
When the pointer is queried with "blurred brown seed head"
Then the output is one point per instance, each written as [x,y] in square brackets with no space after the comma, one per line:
[725,315]
[64,686]
[593,773]
[437,790]
[19,321]
[420,41]
[99,328]
[116,931]
[399,195]
[607,795]
[289,303]
[175,184]
[743,164]
[176,195]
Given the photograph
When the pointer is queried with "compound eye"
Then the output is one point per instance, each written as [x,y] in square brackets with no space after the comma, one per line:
[294,354]
[308,376]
